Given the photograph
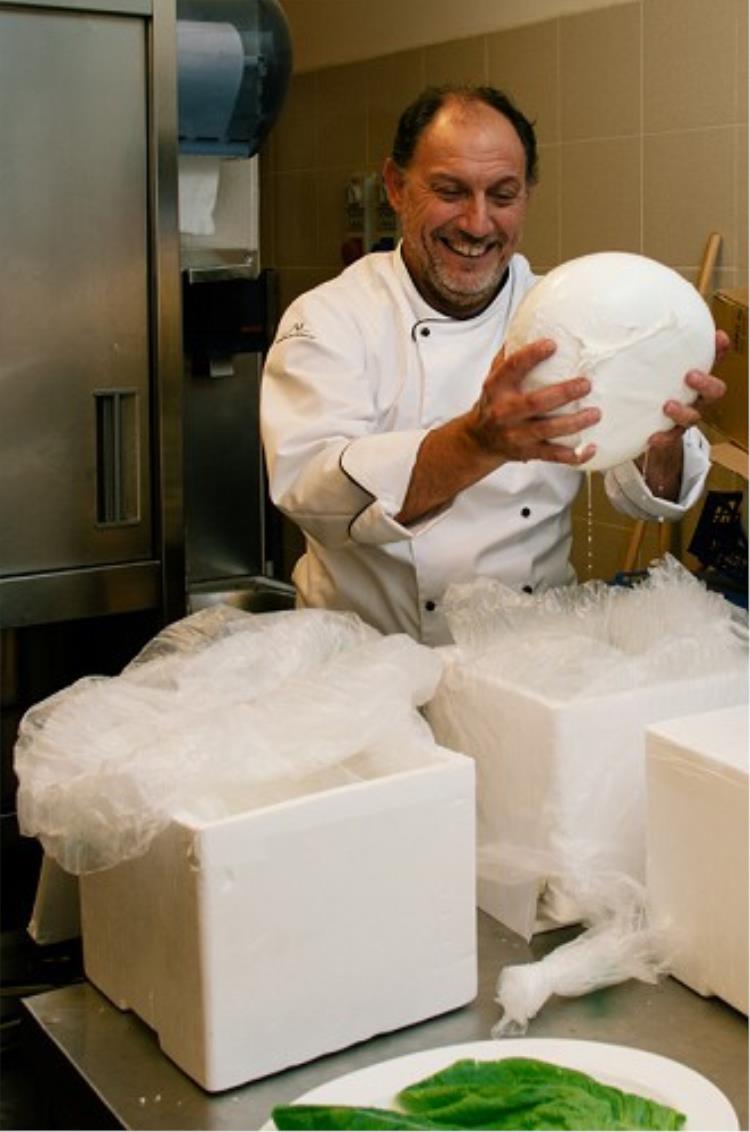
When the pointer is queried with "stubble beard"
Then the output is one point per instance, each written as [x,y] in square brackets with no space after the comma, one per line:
[458,293]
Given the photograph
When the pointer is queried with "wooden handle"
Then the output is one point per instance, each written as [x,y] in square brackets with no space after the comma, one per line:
[710,252]
[634,546]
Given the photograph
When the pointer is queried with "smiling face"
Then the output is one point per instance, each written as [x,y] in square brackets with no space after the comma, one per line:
[462,202]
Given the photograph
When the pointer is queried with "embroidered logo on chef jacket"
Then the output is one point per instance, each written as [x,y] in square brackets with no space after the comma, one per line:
[296,330]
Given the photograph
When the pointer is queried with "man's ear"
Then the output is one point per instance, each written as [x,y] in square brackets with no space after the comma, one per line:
[393,179]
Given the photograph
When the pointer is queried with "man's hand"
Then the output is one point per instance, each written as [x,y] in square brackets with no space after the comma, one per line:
[509,423]
[708,387]
[505,424]
[661,464]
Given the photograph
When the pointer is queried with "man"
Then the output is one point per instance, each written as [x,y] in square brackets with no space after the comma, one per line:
[396,432]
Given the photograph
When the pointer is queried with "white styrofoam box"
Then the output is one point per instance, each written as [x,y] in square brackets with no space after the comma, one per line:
[560,783]
[697,847]
[263,940]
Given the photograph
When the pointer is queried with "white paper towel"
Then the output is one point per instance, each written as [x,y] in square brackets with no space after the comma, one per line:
[198,179]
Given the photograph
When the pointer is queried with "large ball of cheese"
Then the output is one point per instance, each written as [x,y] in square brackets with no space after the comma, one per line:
[633,327]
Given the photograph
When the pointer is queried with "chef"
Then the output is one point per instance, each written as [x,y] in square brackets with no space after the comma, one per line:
[396,433]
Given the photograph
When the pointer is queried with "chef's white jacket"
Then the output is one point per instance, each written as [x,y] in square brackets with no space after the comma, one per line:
[361,368]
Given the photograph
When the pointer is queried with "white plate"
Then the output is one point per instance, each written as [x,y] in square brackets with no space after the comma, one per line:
[632,1070]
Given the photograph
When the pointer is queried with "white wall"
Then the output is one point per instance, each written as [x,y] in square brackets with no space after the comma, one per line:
[326,32]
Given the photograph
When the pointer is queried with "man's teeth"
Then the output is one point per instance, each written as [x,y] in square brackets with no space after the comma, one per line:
[473,251]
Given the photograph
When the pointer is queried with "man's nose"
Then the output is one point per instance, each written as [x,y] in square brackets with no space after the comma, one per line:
[476,216]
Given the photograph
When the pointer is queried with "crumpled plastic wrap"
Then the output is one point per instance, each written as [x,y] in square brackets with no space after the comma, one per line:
[221,709]
[619,943]
[576,641]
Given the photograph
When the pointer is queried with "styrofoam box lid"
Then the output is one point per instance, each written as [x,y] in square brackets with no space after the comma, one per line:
[719,736]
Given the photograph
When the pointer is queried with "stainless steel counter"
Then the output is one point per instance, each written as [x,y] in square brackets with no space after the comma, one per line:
[113,1059]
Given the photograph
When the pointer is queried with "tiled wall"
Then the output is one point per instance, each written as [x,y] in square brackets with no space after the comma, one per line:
[641,115]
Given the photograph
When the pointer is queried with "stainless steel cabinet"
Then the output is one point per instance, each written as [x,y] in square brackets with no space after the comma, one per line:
[89,370]
[74,428]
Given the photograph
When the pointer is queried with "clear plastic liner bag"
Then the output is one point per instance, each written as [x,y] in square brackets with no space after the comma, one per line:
[582,640]
[618,944]
[220,711]
[227,645]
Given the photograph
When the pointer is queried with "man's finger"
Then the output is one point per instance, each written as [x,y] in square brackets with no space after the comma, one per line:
[708,387]
[556,453]
[543,401]
[723,343]
[565,424]
[511,369]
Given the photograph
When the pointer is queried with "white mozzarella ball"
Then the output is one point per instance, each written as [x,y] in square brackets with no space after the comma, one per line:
[634,328]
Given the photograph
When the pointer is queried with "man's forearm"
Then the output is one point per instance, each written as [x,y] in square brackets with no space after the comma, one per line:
[661,468]
[449,460]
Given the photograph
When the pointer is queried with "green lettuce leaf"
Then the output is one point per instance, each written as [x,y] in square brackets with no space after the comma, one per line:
[322,1117]
[526,1093]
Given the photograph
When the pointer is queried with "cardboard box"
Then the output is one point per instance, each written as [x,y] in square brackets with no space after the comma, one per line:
[730,414]
[275,936]
[697,865]
[56,914]
[560,784]
[731,457]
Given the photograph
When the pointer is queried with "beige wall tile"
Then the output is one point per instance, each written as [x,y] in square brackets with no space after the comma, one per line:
[332,225]
[294,281]
[741,45]
[600,196]
[602,554]
[600,73]
[292,139]
[391,83]
[689,50]
[541,239]
[523,62]
[601,543]
[728,277]
[741,197]
[295,219]
[601,508]
[688,193]
[341,134]
[458,61]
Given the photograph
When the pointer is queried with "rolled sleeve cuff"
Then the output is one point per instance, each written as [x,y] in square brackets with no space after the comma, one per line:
[381,465]
[630,494]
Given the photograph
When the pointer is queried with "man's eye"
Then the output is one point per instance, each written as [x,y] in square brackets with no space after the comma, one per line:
[506,197]
[446,193]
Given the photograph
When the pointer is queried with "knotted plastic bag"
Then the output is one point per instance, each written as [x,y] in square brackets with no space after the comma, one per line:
[216,710]
[619,944]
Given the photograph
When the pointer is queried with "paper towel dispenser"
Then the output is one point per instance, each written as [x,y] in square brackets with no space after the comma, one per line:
[234,59]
